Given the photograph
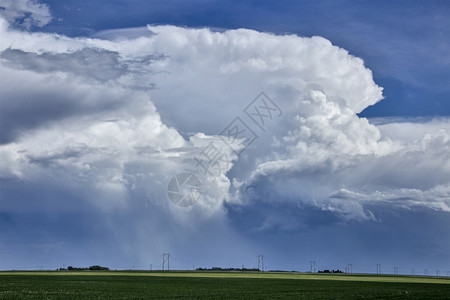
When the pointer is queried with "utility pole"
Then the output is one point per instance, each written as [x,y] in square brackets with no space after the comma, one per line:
[350,268]
[413,271]
[312,266]
[438,273]
[378,269]
[426,272]
[395,271]
[166,257]
[261,262]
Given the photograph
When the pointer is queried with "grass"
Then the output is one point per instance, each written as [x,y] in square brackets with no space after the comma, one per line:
[217,285]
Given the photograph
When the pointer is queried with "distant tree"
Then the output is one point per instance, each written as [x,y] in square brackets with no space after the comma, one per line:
[98,268]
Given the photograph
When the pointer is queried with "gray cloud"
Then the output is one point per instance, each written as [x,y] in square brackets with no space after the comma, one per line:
[30,100]
[100,65]
[93,63]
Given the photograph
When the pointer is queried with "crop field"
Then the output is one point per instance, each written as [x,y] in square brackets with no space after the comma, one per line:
[216,285]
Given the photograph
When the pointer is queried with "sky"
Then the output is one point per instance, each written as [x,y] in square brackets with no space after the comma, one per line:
[215,132]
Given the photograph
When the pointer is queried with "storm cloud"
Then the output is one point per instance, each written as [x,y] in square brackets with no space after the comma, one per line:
[95,128]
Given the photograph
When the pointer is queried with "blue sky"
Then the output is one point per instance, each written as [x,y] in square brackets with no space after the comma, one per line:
[102,105]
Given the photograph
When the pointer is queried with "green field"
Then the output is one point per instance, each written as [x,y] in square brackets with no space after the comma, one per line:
[217,285]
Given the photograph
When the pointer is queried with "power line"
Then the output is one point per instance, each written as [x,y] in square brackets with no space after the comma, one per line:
[260,262]
[166,258]
[349,269]
[378,269]
[312,266]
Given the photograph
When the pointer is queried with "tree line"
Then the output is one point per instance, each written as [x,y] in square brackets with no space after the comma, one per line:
[91,268]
